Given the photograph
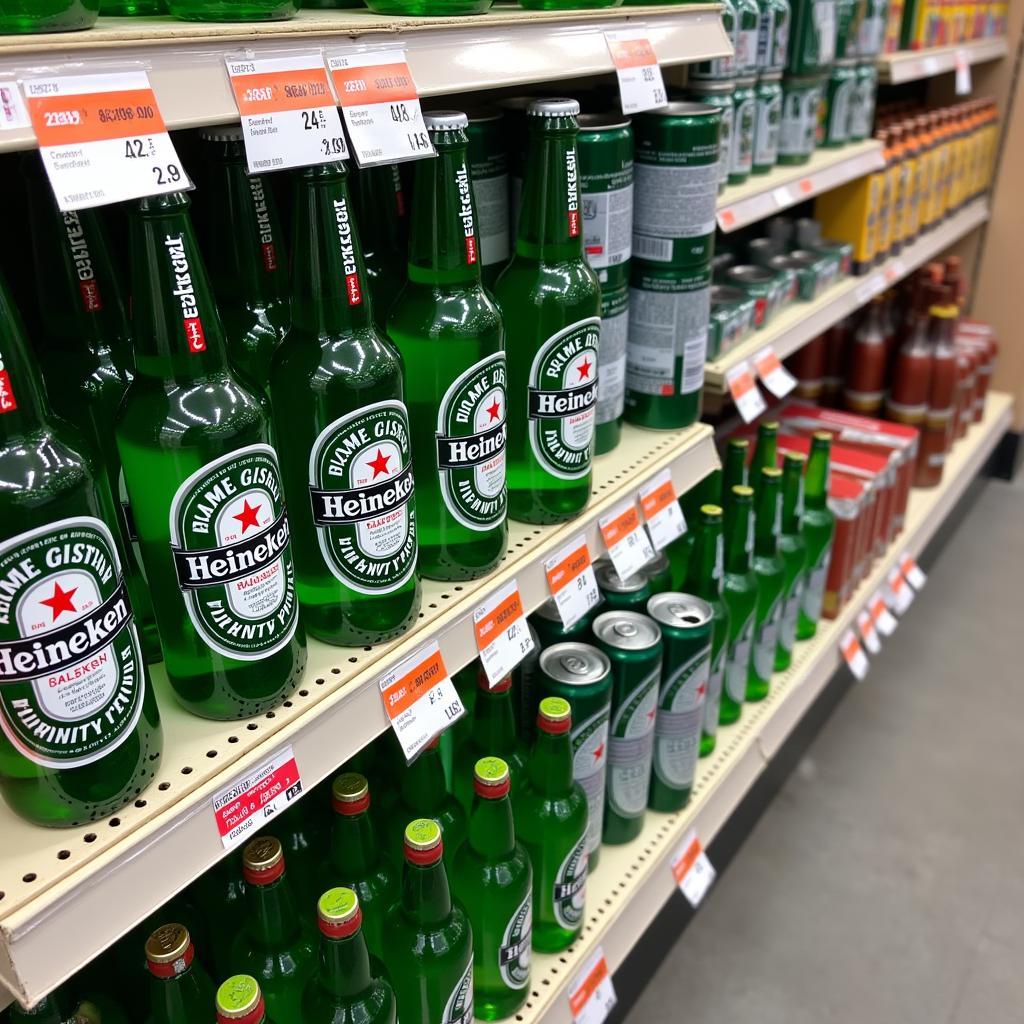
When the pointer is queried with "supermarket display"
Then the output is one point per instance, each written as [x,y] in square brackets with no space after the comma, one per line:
[381,210]
[488,169]
[48,15]
[920,24]
[179,987]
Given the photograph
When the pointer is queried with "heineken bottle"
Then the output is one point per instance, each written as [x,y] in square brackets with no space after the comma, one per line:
[357,859]
[276,945]
[552,305]
[739,592]
[304,844]
[195,443]
[344,989]
[494,882]
[770,570]
[240,1001]
[734,469]
[428,936]
[765,454]
[180,990]
[551,822]
[704,580]
[220,890]
[81,750]
[381,214]
[819,530]
[336,390]
[244,247]
[451,339]
[793,549]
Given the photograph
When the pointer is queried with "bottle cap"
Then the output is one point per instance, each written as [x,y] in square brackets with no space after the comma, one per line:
[554,715]
[501,686]
[771,427]
[554,108]
[738,442]
[350,793]
[423,841]
[338,913]
[263,860]
[491,779]
[240,1001]
[742,491]
[221,133]
[169,951]
[711,510]
[822,435]
[797,458]
[445,120]
[771,471]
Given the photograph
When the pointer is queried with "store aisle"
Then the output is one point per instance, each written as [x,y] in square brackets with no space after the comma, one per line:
[884,884]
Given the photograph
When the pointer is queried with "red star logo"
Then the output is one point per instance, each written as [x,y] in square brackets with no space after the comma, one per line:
[380,464]
[494,409]
[599,753]
[702,689]
[247,517]
[61,601]
[584,369]
[652,713]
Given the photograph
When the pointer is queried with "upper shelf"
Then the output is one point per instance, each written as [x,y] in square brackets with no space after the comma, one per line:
[910,65]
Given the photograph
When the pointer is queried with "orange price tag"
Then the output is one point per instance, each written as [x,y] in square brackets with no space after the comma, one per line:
[901,591]
[912,572]
[502,636]
[854,654]
[749,401]
[775,377]
[641,86]
[692,870]
[884,620]
[726,220]
[665,519]
[806,186]
[591,994]
[572,581]
[629,547]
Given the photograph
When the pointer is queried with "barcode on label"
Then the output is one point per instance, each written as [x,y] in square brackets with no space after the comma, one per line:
[649,248]
[694,353]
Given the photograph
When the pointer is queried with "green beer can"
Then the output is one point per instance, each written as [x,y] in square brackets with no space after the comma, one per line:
[862,113]
[759,284]
[547,624]
[718,93]
[812,38]
[622,595]
[808,282]
[611,381]
[799,125]
[659,573]
[488,169]
[766,123]
[741,155]
[686,625]
[581,674]
[840,98]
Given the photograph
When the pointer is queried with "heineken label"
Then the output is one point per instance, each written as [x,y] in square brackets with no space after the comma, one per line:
[264,228]
[72,678]
[471,434]
[466,218]
[184,291]
[630,746]
[713,699]
[361,487]
[790,614]
[562,399]
[589,757]
[232,554]
[514,952]
[459,1008]
[570,889]
[767,641]
[680,717]
[738,662]
[814,591]
[81,258]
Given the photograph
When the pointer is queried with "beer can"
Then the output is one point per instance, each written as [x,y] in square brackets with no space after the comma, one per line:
[659,573]
[805,275]
[759,284]
[611,381]
[841,252]
[620,594]
[582,675]
[799,125]
[768,115]
[840,97]
[761,250]
[826,265]
[862,113]
[547,624]
[488,168]
[718,94]
[746,37]
[812,38]
[686,625]
[741,155]
[632,643]
[773,35]
[733,311]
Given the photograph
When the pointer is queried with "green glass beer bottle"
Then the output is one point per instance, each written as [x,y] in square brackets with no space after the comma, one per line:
[734,469]
[380,207]
[59,1007]
[47,15]
[819,530]
[793,549]
[275,945]
[336,391]
[494,882]
[195,444]
[770,570]
[81,751]
[428,936]
[704,580]
[551,822]
[132,8]
[304,845]
[180,990]
[220,890]
[552,305]
[765,455]
[450,335]
[245,251]
[344,990]
[357,859]
[234,10]
[739,592]
[240,1001]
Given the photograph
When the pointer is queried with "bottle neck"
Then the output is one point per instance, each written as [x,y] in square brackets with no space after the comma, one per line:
[942,329]
[491,831]
[423,785]
[181,999]
[24,407]
[816,481]
[737,537]
[734,472]
[792,499]
[356,852]
[768,522]
[344,965]
[426,898]
[494,725]
[380,208]
[550,766]
[273,920]
[704,575]
[765,456]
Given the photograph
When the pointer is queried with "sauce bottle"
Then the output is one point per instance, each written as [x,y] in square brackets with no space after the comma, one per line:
[865,376]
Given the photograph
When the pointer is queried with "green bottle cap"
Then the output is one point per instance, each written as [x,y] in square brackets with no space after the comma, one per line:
[555,715]
[711,510]
[239,998]
[491,778]
[770,471]
[742,491]
[423,841]
[338,913]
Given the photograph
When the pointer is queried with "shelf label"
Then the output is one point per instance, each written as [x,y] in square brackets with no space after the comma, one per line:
[660,504]
[419,699]
[749,401]
[782,196]
[591,993]
[502,636]
[963,72]
[775,377]
[885,621]
[641,86]
[912,572]
[930,65]
[870,288]
[248,804]
[868,633]
[854,654]
[102,138]
[726,219]
[12,107]
[381,107]
[289,115]
[692,870]
[572,581]
[900,591]
[629,547]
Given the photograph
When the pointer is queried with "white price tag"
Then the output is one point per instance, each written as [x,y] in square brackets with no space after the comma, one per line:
[289,115]
[692,870]
[749,401]
[868,633]
[572,581]
[12,107]
[102,138]
[591,993]
[664,518]
[854,654]
[912,572]
[250,802]
[900,591]
[963,73]
[782,196]
[502,636]
[381,107]
[930,65]
[419,699]
[884,620]
[641,86]
[775,377]
[629,547]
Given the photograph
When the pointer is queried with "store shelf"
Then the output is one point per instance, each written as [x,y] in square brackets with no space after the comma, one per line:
[67,894]
[803,321]
[765,194]
[506,47]
[910,65]
[634,882]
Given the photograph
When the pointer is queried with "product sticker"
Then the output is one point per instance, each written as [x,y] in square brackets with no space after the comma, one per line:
[572,581]
[641,86]
[248,804]
[901,593]
[963,73]
[775,377]
[854,654]
[591,993]
[12,107]
[868,633]
[912,572]
[749,401]
[885,621]
[629,547]
[692,870]
[502,636]
[662,511]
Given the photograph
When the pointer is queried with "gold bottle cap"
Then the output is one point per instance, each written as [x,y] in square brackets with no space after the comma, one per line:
[167,943]
[263,860]
[350,793]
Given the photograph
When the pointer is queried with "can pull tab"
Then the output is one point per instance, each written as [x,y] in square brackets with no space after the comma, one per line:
[625,629]
[577,666]
[681,612]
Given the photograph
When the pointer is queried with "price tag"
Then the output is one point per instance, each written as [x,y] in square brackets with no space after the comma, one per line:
[591,993]
[885,622]
[502,636]
[854,654]
[930,65]
[692,869]
[870,288]
[726,219]
[749,400]
[572,581]
[900,590]
[806,186]
[782,196]
[289,115]
[641,86]
[912,572]
[12,107]
[775,377]
[629,547]
[381,107]
[248,804]
[419,699]
[868,633]
[102,138]
[963,73]
[664,517]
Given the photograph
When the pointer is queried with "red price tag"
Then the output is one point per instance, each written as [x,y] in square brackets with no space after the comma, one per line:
[901,591]
[866,625]
[247,805]
[664,517]
[883,619]
[912,572]
[592,994]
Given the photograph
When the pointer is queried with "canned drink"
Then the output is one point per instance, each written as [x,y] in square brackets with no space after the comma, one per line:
[611,382]
[686,624]
[848,17]
[812,39]
[488,168]
[773,35]
[735,311]
[768,116]
[826,265]
[840,96]
[547,624]
[659,573]
[632,643]
[620,594]
[781,231]
[669,310]
[807,232]
[761,250]
[800,100]
[581,674]
[605,148]
[748,19]
[719,67]
[759,284]
[805,277]
[741,155]
[862,113]
[841,252]
[676,183]
[722,261]
[718,94]
[872,29]
[786,287]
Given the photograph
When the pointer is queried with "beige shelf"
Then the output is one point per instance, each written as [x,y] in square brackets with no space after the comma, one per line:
[910,65]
